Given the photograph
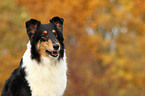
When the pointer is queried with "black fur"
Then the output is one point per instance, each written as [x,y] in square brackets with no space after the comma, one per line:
[34,35]
[31,26]
[34,40]
[35,29]
[59,28]
[17,85]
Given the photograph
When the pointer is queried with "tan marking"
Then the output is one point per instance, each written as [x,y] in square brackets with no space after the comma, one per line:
[38,45]
[45,46]
[53,31]
[45,32]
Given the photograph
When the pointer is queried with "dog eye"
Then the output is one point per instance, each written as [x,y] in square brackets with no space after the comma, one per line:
[43,37]
[56,35]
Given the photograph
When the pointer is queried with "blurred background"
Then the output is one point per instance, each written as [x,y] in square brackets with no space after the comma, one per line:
[104,39]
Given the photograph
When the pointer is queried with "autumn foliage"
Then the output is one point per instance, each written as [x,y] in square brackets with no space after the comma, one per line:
[105,42]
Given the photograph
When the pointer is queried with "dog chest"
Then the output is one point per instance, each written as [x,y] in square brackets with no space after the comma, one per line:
[47,78]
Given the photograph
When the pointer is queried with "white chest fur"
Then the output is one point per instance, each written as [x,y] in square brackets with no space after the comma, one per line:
[47,78]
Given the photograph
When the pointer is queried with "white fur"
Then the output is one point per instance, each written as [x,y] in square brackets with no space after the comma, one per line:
[47,78]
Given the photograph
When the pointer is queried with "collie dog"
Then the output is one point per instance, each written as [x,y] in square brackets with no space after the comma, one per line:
[42,70]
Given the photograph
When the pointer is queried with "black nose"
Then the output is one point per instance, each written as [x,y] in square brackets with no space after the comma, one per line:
[55,46]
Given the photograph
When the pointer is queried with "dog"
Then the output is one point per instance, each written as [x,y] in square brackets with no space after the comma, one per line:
[42,70]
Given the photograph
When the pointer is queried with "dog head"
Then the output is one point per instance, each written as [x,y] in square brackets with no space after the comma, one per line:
[46,39]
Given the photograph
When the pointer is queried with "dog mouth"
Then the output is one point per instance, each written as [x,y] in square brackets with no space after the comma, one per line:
[52,53]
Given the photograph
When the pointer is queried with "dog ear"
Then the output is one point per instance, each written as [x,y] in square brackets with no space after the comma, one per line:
[32,26]
[58,22]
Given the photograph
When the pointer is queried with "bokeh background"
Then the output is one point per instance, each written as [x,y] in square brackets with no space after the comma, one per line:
[105,42]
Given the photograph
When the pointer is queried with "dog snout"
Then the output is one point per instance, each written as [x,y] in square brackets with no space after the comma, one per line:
[56,46]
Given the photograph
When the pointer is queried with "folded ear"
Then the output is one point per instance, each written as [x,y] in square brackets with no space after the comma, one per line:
[32,26]
[58,22]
